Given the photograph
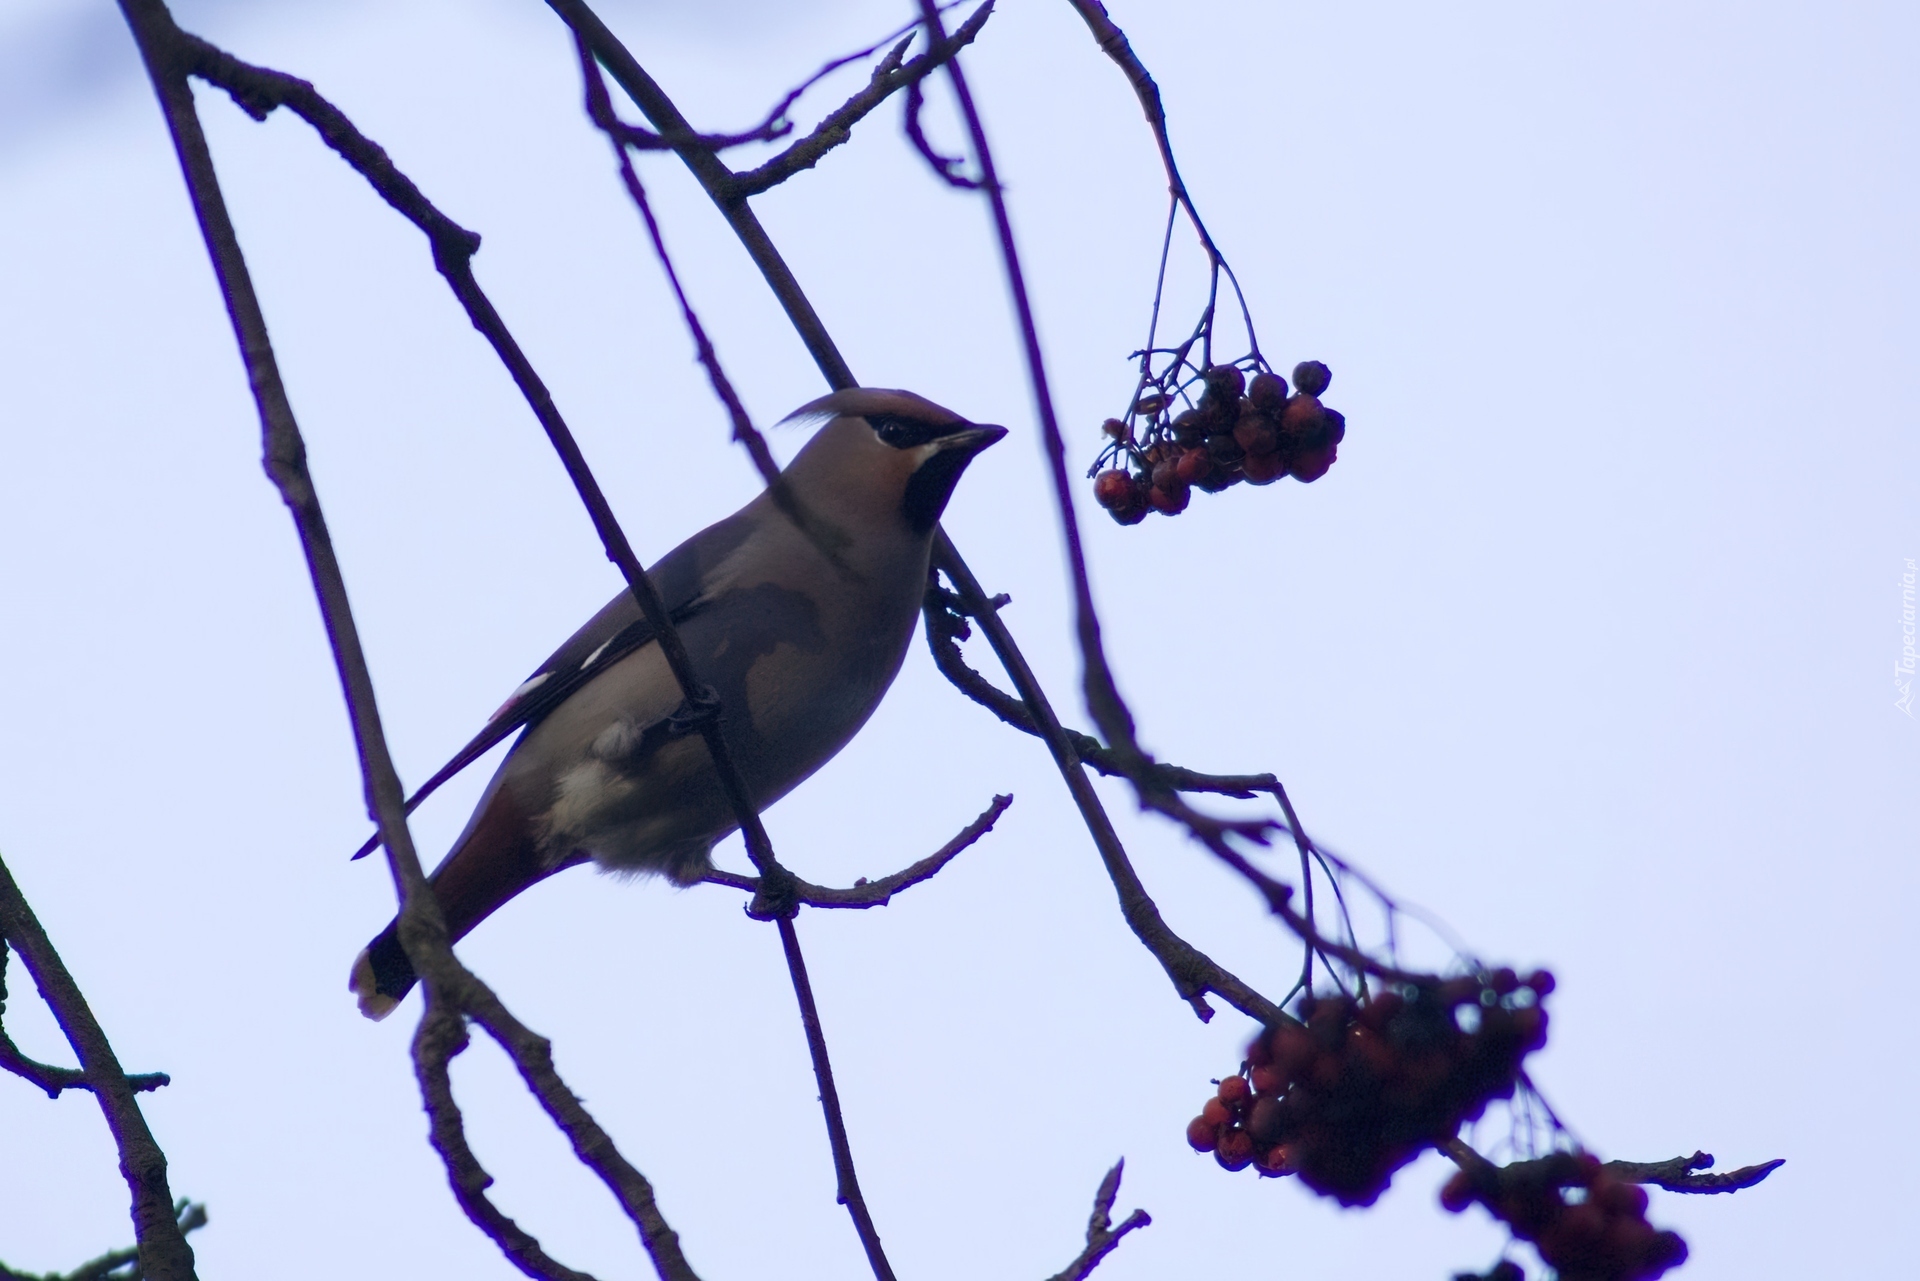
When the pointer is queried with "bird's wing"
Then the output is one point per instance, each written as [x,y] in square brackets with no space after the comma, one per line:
[686,582]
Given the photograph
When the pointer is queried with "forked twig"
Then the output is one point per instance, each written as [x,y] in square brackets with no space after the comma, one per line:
[1102,1235]
[162,1247]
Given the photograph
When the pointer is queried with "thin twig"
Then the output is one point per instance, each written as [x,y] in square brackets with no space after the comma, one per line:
[1102,1236]
[1113,42]
[847,1180]
[837,127]
[442,1034]
[191,1216]
[1681,1174]
[48,1077]
[163,1250]
[864,893]
[1677,1174]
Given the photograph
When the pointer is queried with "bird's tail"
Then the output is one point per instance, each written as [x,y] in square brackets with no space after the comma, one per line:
[494,859]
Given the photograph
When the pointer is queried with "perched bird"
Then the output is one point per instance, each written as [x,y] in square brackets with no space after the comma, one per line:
[799,627]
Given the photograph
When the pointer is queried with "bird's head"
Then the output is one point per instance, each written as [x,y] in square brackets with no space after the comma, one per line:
[885,455]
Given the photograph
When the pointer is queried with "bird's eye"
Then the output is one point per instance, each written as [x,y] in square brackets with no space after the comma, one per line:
[902,432]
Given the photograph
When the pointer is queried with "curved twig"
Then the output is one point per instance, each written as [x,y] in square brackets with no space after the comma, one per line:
[864,893]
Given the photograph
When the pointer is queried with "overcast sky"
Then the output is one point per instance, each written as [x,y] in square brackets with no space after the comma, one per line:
[1587,644]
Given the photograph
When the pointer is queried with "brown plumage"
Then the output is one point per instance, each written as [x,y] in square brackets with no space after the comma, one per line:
[799,631]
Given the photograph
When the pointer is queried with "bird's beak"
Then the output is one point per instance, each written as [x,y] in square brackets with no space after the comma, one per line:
[972,440]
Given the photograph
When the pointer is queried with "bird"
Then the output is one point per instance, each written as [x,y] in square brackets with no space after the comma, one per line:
[796,611]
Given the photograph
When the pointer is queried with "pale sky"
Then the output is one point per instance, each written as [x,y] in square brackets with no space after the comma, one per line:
[1586,645]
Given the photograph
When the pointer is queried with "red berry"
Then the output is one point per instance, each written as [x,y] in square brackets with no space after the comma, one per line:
[1583,1224]
[1255,434]
[1667,1250]
[1190,428]
[1171,500]
[1313,464]
[1215,1112]
[1268,1079]
[1268,391]
[1336,425]
[1503,980]
[1202,1134]
[1234,1089]
[1456,1194]
[1264,469]
[1275,1161]
[1616,1197]
[1235,1150]
[1224,449]
[1311,377]
[1114,428]
[1303,419]
[1267,1121]
[1542,982]
[1194,466]
[1131,515]
[1226,382]
[1113,489]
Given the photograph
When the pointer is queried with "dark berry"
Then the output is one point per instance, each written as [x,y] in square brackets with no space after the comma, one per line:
[1113,489]
[1194,465]
[1171,500]
[1226,383]
[1311,377]
[1264,469]
[1312,465]
[1267,391]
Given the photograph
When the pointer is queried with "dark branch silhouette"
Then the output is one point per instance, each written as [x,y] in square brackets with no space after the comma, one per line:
[1102,1235]
[116,1265]
[162,1248]
[864,893]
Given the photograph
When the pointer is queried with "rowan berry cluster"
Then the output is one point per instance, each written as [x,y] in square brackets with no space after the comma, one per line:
[1238,430]
[1603,1235]
[1354,1091]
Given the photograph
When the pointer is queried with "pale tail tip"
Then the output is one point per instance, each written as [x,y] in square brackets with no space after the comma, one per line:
[374,1003]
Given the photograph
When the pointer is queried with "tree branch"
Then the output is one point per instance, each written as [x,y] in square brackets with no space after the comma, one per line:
[191,1216]
[1102,1236]
[1679,1173]
[864,893]
[162,1245]
[170,56]
[888,78]
[1194,974]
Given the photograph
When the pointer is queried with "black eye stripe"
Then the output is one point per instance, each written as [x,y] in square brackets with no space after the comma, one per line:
[906,433]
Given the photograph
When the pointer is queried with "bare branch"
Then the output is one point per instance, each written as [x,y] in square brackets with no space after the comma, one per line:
[1193,973]
[441,1035]
[170,56]
[1679,1173]
[163,1250]
[864,893]
[888,78]
[190,1215]
[1102,1236]
[45,1075]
